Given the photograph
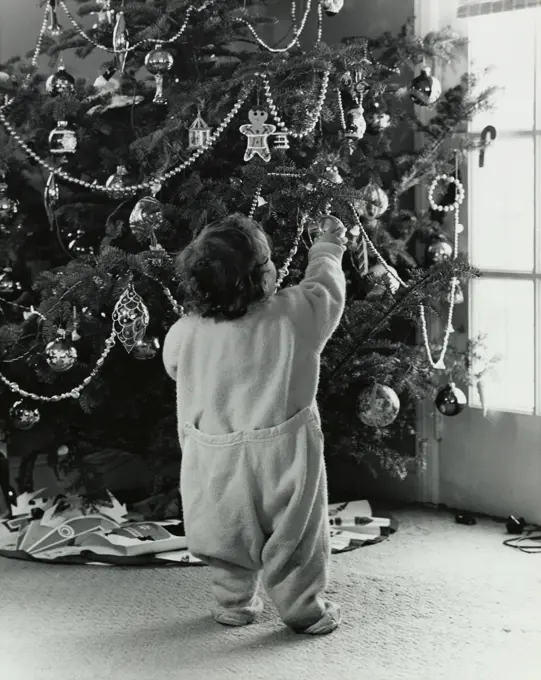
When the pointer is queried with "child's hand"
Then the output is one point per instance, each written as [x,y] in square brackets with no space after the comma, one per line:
[333,230]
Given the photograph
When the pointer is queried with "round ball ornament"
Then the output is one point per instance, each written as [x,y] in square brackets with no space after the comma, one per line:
[378,406]
[24,415]
[450,400]
[146,217]
[159,61]
[438,251]
[60,83]
[384,278]
[146,349]
[371,201]
[425,89]
[60,354]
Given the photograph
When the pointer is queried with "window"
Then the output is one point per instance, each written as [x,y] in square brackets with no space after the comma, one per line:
[504,202]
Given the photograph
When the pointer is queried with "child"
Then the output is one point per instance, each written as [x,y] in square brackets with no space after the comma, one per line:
[246,364]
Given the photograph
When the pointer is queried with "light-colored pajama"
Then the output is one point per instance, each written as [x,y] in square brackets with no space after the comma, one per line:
[253,480]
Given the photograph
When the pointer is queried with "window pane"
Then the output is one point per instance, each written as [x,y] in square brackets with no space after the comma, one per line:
[506,42]
[501,197]
[503,309]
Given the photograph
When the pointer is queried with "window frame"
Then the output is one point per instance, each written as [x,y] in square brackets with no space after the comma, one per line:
[535,274]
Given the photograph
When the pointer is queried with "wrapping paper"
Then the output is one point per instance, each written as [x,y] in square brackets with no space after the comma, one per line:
[66,530]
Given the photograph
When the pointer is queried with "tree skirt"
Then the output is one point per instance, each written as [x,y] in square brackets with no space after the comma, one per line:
[65,530]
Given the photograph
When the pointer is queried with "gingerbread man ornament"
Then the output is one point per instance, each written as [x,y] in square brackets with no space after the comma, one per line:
[257,133]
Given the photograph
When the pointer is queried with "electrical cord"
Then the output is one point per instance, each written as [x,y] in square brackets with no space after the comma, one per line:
[528,534]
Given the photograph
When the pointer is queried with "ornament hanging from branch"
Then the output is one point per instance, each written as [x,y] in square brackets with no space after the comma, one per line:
[63,141]
[425,89]
[53,26]
[450,400]
[332,174]
[378,406]
[371,202]
[8,285]
[24,415]
[60,82]
[60,354]
[51,193]
[106,84]
[105,15]
[332,7]
[130,318]
[159,62]
[257,132]
[383,277]
[377,119]
[199,133]
[120,41]
[147,215]
[356,123]
[117,179]
[146,349]
[438,251]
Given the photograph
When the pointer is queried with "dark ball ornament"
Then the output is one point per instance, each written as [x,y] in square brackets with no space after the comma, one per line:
[425,89]
[60,83]
[450,400]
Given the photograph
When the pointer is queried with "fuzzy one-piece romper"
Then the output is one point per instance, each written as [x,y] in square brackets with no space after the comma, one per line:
[253,480]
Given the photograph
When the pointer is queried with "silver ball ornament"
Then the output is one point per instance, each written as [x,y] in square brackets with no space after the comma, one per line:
[60,354]
[378,406]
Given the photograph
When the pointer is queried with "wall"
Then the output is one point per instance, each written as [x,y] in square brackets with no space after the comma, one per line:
[20,22]
[366,18]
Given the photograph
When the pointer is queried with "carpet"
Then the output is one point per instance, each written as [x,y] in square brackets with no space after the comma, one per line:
[439,601]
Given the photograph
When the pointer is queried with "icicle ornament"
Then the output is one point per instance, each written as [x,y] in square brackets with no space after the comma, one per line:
[120,41]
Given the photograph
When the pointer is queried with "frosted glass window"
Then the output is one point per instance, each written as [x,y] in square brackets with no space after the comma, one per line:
[506,42]
[503,309]
[501,196]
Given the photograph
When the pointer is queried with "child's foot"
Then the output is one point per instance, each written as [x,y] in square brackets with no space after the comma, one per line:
[327,623]
[238,617]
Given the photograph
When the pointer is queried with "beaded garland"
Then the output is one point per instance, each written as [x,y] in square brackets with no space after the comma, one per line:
[453,207]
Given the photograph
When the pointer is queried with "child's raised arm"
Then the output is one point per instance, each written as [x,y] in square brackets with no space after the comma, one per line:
[318,300]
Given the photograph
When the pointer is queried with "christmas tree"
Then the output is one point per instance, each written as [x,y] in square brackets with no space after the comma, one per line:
[105,182]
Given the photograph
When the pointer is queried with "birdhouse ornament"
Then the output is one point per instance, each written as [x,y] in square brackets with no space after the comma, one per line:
[257,132]
[199,133]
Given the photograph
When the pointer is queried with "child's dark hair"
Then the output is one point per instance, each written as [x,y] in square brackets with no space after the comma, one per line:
[221,271]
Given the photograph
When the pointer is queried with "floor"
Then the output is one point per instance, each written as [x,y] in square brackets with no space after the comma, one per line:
[437,601]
